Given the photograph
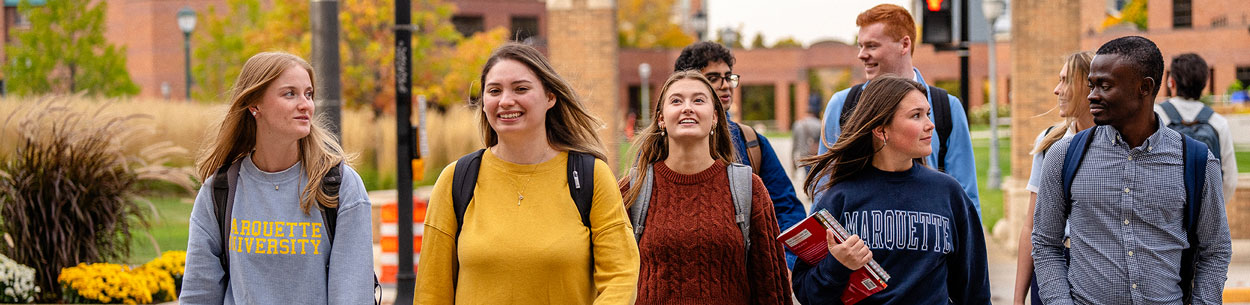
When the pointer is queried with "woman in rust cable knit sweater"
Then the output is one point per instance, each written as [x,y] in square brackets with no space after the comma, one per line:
[692,251]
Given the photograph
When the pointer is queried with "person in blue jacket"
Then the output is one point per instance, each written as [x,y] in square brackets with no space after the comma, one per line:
[716,63]
[887,35]
[916,222]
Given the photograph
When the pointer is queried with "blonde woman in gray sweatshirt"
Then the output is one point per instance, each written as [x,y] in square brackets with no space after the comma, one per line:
[298,225]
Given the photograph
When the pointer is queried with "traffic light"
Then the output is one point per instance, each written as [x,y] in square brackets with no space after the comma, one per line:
[938,26]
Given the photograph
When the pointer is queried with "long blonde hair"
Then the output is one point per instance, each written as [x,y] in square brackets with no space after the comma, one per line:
[1078,70]
[652,145]
[855,148]
[318,152]
[569,126]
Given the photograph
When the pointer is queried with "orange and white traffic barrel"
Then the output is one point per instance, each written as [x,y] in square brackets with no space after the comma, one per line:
[390,237]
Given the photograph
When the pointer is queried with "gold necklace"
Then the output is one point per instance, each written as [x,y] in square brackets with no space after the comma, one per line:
[520,196]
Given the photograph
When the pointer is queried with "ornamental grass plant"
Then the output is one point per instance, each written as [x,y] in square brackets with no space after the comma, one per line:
[68,184]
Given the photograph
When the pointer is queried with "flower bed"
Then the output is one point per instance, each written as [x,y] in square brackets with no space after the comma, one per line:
[103,283]
[17,282]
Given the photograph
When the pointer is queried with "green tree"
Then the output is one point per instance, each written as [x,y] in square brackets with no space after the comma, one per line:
[758,41]
[788,42]
[64,51]
[646,24]
[366,47]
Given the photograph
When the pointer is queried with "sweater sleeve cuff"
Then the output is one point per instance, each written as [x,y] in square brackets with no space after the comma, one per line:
[838,274]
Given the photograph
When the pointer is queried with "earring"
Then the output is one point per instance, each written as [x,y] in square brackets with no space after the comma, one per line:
[713,132]
[253,113]
[662,133]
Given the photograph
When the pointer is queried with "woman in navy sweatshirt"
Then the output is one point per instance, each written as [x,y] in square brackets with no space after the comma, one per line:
[915,221]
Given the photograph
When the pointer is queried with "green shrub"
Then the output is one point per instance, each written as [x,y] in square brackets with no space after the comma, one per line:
[68,188]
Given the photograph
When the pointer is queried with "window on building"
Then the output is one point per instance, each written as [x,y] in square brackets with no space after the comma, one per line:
[468,25]
[1243,75]
[758,103]
[524,27]
[1182,14]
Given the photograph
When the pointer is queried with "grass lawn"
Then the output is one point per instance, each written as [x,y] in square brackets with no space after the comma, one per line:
[169,229]
[991,199]
[1243,161]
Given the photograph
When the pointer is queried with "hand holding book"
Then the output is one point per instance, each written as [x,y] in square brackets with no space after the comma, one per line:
[805,241]
[852,253]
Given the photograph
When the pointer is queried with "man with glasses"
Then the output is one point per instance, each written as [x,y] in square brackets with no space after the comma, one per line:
[886,41]
[716,63]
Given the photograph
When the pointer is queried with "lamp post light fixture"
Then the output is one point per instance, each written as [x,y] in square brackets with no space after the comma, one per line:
[186,22]
[993,9]
[699,25]
[644,99]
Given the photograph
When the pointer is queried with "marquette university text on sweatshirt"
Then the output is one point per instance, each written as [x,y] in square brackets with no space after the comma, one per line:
[275,237]
[900,230]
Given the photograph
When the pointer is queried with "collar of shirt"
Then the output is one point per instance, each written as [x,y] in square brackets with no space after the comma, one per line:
[1162,133]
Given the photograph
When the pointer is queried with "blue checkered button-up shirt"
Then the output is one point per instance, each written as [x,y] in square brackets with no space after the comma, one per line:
[1127,229]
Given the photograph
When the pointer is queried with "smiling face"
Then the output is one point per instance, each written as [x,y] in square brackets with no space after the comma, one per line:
[514,101]
[1117,91]
[882,54]
[286,108]
[910,132]
[687,111]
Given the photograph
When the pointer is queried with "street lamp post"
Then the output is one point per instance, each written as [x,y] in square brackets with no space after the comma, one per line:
[644,113]
[186,22]
[993,9]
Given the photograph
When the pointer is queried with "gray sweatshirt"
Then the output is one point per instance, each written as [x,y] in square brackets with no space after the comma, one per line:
[277,253]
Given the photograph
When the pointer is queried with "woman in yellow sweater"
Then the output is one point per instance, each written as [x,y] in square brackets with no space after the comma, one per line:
[521,237]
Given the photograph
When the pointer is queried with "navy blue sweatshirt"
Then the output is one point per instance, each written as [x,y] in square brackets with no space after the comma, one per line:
[922,228]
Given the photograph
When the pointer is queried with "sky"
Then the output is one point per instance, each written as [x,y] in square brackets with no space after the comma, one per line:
[807,21]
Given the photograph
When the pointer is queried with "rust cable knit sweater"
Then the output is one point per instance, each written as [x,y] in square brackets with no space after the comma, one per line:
[692,250]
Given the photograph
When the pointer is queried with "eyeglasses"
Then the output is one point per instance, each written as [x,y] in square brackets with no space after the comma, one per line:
[716,79]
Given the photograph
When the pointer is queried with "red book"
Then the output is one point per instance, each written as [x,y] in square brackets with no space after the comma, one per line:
[807,240]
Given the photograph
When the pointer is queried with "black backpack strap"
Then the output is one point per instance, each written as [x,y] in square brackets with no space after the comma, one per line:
[848,104]
[224,182]
[1044,134]
[942,123]
[1072,162]
[330,185]
[1195,154]
[581,170]
[463,181]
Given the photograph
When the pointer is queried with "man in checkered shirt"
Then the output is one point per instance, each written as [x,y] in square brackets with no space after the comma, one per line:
[1128,199]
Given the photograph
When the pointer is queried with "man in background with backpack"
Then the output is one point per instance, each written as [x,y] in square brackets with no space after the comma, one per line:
[1142,202]
[716,63]
[887,37]
[1184,113]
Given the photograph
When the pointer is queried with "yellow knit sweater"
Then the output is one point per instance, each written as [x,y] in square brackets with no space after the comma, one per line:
[533,252]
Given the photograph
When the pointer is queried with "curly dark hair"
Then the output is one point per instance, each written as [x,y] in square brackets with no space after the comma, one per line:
[1140,51]
[699,54]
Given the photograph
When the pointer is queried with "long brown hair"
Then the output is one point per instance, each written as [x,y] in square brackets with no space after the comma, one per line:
[1078,70]
[569,126]
[854,149]
[318,152]
[652,145]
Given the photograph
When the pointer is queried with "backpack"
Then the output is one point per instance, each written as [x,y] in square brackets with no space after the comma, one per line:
[581,167]
[752,140]
[1200,128]
[739,186]
[941,117]
[1195,162]
[226,180]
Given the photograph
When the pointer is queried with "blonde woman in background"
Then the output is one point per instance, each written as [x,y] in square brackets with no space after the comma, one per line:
[1073,107]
